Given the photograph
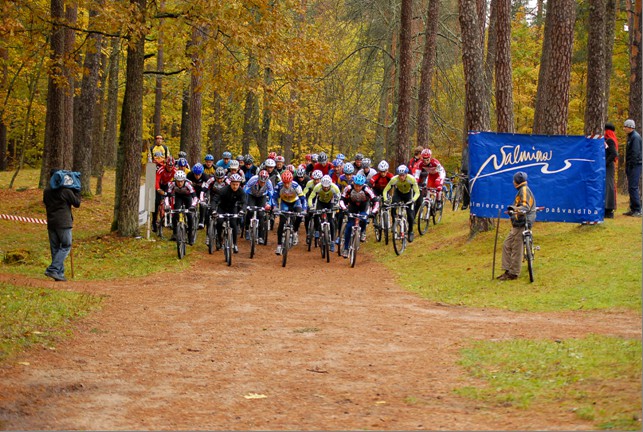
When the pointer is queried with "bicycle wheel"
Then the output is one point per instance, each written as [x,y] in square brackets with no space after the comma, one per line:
[227,246]
[386,224]
[211,235]
[181,234]
[285,247]
[529,256]
[310,233]
[457,197]
[161,220]
[326,242]
[341,237]
[254,234]
[437,214]
[423,218]
[266,229]
[399,235]
[377,228]
[354,245]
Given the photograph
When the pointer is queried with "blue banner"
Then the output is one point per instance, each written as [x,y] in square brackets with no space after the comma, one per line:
[565,173]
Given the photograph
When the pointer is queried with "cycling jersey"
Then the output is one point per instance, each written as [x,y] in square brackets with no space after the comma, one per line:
[198,183]
[403,186]
[229,201]
[310,186]
[164,177]
[212,188]
[253,188]
[325,169]
[358,201]
[183,195]
[209,170]
[344,181]
[332,194]
[289,194]
[378,182]
[369,175]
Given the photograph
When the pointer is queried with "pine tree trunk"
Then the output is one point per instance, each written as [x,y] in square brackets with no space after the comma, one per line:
[595,106]
[250,120]
[404,105]
[216,128]
[635,67]
[71,16]
[111,117]
[4,56]
[185,112]
[195,105]
[262,142]
[610,22]
[158,90]
[504,82]
[541,91]
[426,74]
[492,48]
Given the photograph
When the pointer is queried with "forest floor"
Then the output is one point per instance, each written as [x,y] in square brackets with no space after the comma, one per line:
[257,346]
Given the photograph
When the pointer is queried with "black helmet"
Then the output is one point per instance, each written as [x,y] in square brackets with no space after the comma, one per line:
[219,172]
[359,156]
[520,177]
[249,159]
[322,157]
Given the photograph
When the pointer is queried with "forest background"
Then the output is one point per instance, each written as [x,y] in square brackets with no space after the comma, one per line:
[87,84]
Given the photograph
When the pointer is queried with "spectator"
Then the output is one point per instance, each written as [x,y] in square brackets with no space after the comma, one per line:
[58,202]
[633,167]
[611,155]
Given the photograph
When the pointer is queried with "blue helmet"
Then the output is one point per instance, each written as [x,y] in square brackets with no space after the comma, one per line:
[197,169]
[209,157]
[349,168]
[182,162]
[359,180]
[227,155]
[340,156]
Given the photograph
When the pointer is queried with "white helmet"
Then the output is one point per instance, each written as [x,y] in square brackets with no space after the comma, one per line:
[317,174]
[234,164]
[270,163]
[180,176]
[382,166]
[326,181]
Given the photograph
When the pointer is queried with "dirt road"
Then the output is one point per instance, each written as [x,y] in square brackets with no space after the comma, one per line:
[258,346]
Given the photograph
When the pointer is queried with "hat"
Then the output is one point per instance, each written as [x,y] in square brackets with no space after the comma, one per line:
[629,123]
[610,126]
[520,177]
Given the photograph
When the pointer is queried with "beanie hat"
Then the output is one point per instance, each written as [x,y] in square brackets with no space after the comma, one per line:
[520,177]
[610,126]
[629,123]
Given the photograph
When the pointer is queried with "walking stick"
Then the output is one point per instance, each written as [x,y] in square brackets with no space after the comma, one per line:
[71,258]
[495,245]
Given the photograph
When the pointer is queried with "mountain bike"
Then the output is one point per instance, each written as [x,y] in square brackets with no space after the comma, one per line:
[400,226]
[529,250]
[212,231]
[164,220]
[181,230]
[256,217]
[228,234]
[382,223]
[429,209]
[287,239]
[458,190]
[447,189]
[311,239]
[356,232]
[325,237]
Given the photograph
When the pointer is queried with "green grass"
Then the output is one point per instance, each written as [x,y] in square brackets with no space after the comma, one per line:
[37,316]
[577,267]
[597,377]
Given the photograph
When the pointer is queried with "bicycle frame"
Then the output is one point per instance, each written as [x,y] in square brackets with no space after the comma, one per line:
[356,231]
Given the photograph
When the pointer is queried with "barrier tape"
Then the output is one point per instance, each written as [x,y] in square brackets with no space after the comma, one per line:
[23,219]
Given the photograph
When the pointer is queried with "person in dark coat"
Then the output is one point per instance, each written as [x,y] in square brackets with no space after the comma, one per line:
[58,203]
[633,167]
[611,155]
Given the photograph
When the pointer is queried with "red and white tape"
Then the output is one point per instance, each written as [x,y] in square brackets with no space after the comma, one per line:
[23,219]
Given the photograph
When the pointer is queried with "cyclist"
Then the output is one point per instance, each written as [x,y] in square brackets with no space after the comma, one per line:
[208,166]
[310,185]
[182,165]
[346,178]
[379,181]
[164,175]
[357,163]
[522,210]
[242,160]
[290,198]
[269,165]
[210,189]
[198,180]
[224,162]
[310,167]
[406,190]
[322,163]
[301,177]
[183,155]
[231,199]
[325,195]
[280,166]
[417,152]
[357,198]
[366,170]
[183,195]
[259,193]
[233,168]
[430,173]
[340,157]
[337,171]
[249,168]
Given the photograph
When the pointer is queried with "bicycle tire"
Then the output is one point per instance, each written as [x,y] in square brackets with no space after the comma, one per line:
[352,250]
[285,247]
[377,231]
[457,197]
[211,235]
[437,214]
[310,233]
[227,247]
[327,240]
[399,236]
[342,239]
[423,216]
[529,256]
[253,240]
[181,233]
[386,222]
[266,228]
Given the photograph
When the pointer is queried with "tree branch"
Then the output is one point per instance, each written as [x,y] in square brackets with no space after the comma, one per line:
[154,72]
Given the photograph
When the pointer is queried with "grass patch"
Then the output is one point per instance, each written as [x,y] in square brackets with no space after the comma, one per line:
[577,267]
[37,316]
[598,377]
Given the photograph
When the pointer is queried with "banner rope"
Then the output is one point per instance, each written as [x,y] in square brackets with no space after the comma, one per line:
[23,219]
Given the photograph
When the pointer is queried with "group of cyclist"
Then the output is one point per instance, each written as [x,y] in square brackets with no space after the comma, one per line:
[344,186]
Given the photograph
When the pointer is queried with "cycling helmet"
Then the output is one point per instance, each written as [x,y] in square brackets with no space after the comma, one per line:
[227,155]
[270,163]
[323,157]
[286,176]
[426,153]
[359,180]
[309,157]
[183,154]
[241,159]
[219,172]
[359,156]
[209,157]
[317,174]
[338,162]
[234,164]
[169,161]
[300,172]
[263,175]
[366,163]
[302,166]
[180,176]
[402,169]
[314,157]
[290,168]
[349,168]
[248,159]
[340,156]
[272,155]
[326,181]
[197,169]
[280,159]
[182,162]
[520,177]
[382,166]
[235,178]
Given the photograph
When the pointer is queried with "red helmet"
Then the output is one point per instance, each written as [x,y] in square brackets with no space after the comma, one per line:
[272,155]
[290,168]
[169,161]
[286,176]
[309,157]
[280,159]
[426,153]
[263,175]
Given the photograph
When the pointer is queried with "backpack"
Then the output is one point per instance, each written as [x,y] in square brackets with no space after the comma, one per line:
[66,179]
